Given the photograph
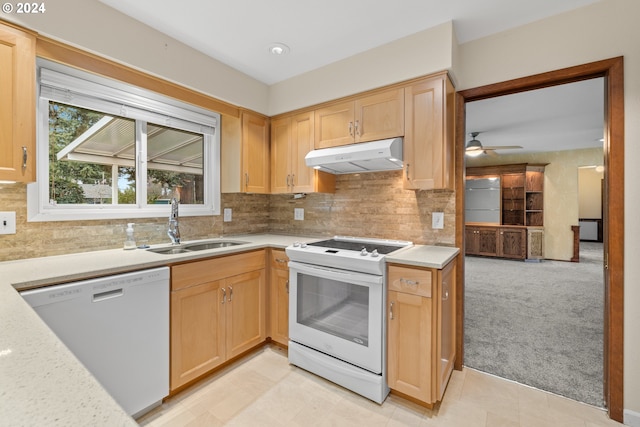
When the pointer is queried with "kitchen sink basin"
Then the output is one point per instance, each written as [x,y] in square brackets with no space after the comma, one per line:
[212,245]
[196,246]
[169,251]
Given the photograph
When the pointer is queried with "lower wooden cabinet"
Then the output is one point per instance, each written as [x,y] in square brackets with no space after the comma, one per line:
[421,331]
[245,312]
[481,241]
[217,312]
[496,241]
[512,243]
[279,297]
[197,332]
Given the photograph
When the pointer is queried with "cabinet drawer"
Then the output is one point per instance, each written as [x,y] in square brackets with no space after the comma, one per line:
[279,259]
[410,280]
[194,273]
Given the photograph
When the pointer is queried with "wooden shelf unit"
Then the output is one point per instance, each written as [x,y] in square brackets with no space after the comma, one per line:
[519,233]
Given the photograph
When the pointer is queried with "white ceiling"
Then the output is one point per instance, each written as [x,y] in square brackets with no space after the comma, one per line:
[239,32]
[565,117]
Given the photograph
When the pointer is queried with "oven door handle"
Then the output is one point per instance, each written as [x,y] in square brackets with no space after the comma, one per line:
[336,274]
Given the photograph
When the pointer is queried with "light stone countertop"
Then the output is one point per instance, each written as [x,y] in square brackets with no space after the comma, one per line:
[424,256]
[41,381]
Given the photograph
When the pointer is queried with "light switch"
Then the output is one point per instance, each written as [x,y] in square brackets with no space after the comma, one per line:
[227,215]
[437,220]
[298,214]
[7,223]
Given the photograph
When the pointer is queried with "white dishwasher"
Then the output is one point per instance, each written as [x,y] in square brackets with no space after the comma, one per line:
[118,327]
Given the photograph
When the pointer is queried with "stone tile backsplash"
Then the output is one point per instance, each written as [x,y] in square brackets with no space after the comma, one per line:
[370,204]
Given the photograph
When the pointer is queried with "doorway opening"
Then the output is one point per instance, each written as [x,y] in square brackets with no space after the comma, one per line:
[613,221]
[539,322]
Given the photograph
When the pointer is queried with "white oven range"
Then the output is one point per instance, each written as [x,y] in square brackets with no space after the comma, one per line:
[336,311]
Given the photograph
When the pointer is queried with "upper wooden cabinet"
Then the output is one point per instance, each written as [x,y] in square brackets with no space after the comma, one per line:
[244,154]
[291,140]
[255,153]
[17,105]
[373,117]
[428,137]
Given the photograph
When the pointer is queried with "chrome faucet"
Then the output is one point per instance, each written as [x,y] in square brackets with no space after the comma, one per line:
[174,232]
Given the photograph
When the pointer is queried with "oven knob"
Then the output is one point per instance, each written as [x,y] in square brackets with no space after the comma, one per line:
[296,244]
[364,252]
[303,245]
[374,253]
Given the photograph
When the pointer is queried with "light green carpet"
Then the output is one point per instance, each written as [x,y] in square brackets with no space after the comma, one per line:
[540,324]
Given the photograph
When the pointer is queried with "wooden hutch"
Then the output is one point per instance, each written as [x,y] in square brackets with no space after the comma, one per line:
[504,211]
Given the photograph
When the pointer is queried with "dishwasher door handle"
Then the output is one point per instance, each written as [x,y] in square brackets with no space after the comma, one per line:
[102,296]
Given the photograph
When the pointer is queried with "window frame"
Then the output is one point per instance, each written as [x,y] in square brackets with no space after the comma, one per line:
[71,86]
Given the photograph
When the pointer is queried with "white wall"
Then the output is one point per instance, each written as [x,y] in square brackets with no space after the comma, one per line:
[97,28]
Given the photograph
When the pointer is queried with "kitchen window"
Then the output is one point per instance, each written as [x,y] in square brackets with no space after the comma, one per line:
[107,149]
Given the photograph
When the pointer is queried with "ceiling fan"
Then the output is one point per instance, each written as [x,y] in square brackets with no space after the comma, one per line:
[474,147]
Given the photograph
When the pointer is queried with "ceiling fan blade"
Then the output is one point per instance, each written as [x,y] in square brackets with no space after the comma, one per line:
[490,152]
[469,149]
[503,147]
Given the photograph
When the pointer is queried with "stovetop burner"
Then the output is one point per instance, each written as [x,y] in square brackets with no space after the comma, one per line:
[357,245]
[347,253]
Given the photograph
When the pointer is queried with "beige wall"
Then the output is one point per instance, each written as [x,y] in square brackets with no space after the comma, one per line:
[561,201]
[590,193]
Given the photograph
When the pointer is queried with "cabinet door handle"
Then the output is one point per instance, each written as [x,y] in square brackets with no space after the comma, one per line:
[409,282]
[281,260]
[288,177]
[445,296]
[293,178]
[287,286]
[224,295]
[230,294]
[407,171]
[391,310]
[246,179]
[351,128]
[24,157]
[358,127]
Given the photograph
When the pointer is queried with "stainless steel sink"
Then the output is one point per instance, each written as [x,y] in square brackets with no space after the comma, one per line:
[196,246]
[212,245]
[169,251]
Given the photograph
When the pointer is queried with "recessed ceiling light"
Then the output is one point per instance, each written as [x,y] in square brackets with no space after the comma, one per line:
[278,49]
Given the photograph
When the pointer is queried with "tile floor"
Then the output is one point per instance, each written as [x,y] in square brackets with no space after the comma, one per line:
[264,390]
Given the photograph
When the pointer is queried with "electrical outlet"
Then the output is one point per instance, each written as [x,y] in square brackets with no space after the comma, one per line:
[437,220]
[227,215]
[7,223]
[298,214]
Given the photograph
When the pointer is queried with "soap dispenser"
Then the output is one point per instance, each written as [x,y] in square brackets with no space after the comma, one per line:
[130,241]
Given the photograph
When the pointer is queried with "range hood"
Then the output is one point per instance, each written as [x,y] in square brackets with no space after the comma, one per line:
[383,155]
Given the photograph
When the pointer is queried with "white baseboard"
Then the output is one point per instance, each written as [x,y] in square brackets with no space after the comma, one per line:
[631,418]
